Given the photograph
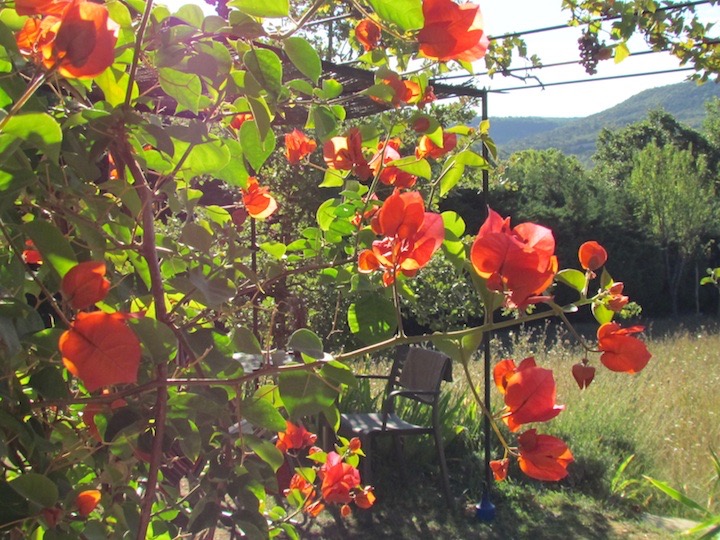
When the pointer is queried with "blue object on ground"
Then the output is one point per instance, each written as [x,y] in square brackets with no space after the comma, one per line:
[485,510]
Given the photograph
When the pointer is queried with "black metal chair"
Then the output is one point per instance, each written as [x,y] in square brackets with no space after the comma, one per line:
[416,374]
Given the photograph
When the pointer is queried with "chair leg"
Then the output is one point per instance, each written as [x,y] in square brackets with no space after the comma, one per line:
[443,466]
[397,443]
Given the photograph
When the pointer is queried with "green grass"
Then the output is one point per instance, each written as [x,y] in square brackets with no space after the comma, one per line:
[666,416]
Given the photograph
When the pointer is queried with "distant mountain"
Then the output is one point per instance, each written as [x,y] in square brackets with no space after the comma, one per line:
[576,136]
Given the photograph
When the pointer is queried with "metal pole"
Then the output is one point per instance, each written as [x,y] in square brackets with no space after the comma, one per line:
[485,510]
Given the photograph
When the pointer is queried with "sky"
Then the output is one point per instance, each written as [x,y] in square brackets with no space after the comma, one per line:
[576,100]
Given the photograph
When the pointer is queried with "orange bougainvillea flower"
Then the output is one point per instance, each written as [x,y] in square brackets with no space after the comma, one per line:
[294,437]
[427,97]
[339,480]
[257,200]
[306,490]
[84,284]
[41,7]
[500,469]
[519,262]
[239,119]
[411,237]
[346,154]
[403,91]
[622,351]
[368,33]
[80,44]
[452,31]
[616,301]
[592,255]
[529,392]
[36,35]
[371,210]
[427,148]
[297,146]
[390,175]
[543,457]
[365,498]
[101,350]
[31,255]
[86,501]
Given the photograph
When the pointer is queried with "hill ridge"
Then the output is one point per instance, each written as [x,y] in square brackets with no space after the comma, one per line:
[577,136]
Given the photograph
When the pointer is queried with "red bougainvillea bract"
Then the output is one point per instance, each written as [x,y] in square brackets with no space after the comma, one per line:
[452,31]
[410,237]
[101,350]
[621,351]
[520,262]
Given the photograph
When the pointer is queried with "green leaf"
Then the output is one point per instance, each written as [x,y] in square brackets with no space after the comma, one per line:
[621,52]
[471,159]
[406,14]
[49,383]
[190,438]
[372,318]
[14,507]
[156,337]
[451,175]
[413,165]
[266,450]
[675,494]
[185,88]
[307,342]
[234,173]
[256,150]
[266,68]
[246,342]
[601,313]
[324,121]
[304,56]
[265,8]
[113,83]
[572,278]
[36,488]
[261,114]
[325,214]
[53,246]
[196,236]
[304,393]
[301,86]
[339,372]
[454,225]
[215,291]
[331,89]
[274,249]
[262,414]
[39,130]
[191,14]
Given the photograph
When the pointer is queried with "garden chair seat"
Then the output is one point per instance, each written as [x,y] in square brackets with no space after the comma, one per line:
[416,374]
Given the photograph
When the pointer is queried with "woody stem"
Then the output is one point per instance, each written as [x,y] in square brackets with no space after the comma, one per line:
[149,251]
[137,51]
[480,402]
[35,83]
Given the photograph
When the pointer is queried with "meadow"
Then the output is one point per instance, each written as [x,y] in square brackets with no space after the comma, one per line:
[666,417]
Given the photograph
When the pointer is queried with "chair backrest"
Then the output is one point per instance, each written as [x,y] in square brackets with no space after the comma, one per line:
[421,370]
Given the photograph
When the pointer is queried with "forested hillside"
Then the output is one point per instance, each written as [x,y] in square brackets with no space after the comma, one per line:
[576,136]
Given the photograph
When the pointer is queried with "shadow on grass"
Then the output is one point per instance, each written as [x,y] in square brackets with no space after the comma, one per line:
[416,509]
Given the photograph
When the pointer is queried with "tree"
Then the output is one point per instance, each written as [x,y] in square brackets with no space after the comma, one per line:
[675,197]
[616,149]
